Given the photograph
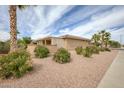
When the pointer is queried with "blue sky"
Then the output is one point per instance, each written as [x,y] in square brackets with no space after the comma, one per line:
[84,21]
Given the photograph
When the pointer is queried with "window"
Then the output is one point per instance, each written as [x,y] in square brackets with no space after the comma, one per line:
[43,42]
[48,42]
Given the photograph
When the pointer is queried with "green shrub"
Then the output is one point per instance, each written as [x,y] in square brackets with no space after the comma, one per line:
[87,52]
[62,56]
[102,49]
[4,47]
[41,51]
[107,49]
[15,64]
[78,50]
[22,44]
[95,49]
[114,44]
[27,40]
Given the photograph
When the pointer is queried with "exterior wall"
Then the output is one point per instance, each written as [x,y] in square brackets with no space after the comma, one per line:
[52,48]
[67,43]
[53,41]
[73,43]
[60,43]
[86,43]
[39,42]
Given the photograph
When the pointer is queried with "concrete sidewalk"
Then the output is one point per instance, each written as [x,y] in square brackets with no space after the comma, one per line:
[114,77]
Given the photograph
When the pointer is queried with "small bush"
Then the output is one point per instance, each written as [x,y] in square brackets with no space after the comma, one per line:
[22,44]
[102,49]
[15,64]
[27,40]
[41,51]
[114,44]
[62,56]
[78,50]
[87,52]
[107,49]
[4,47]
[95,49]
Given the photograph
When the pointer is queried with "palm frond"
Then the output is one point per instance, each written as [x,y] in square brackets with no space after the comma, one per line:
[21,7]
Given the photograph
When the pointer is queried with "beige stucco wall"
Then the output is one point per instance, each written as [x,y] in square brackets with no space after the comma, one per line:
[73,43]
[39,42]
[69,44]
[53,41]
[52,48]
[60,43]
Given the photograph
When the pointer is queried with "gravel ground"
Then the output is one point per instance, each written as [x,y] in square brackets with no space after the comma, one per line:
[80,72]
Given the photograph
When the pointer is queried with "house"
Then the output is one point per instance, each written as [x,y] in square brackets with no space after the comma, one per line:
[68,42]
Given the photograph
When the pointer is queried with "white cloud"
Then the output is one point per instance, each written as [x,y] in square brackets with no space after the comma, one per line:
[118,34]
[84,12]
[40,21]
[104,20]
[64,30]
[46,20]
[39,36]
[4,36]
[56,12]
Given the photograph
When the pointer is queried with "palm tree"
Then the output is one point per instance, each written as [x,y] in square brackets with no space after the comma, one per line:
[13,26]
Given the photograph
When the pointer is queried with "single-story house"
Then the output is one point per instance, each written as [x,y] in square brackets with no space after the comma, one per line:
[68,42]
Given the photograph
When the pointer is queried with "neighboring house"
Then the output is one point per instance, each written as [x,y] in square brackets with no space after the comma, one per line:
[68,42]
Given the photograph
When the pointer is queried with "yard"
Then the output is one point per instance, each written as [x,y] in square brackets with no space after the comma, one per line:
[80,72]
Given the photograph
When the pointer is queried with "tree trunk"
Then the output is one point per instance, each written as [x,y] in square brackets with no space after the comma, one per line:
[106,44]
[13,34]
[102,42]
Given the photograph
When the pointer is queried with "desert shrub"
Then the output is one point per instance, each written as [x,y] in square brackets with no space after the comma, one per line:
[15,64]
[78,50]
[95,49]
[27,40]
[122,45]
[114,44]
[41,51]
[102,49]
[4,47]
[22,44]
[87,52]
[62,56]
[107,49]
